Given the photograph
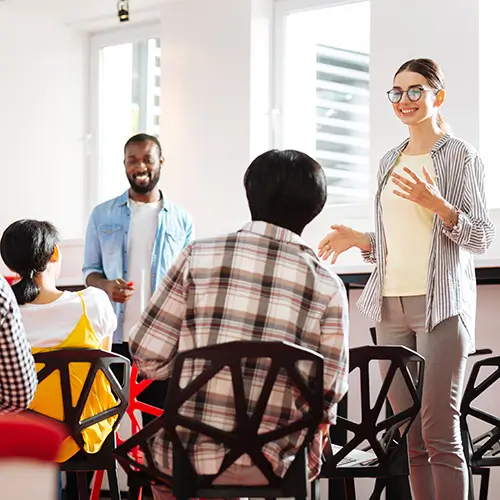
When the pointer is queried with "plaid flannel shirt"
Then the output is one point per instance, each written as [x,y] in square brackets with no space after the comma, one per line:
[18,380]
[261,283]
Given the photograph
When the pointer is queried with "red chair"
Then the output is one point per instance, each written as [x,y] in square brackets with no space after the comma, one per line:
[11,279]
[136,388]
[29,445]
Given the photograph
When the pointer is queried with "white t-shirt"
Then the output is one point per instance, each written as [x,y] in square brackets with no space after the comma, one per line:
[141,238]
[49,324]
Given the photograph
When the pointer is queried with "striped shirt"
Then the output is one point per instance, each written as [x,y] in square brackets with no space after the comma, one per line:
[451,279]
[261,283]
[18,379]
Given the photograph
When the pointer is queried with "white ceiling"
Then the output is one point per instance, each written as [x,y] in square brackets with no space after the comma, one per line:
[85,13]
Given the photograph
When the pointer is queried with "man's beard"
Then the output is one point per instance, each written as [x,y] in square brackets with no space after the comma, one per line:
[144,188]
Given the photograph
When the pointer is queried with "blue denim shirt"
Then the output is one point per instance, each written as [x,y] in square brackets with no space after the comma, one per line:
[106,243]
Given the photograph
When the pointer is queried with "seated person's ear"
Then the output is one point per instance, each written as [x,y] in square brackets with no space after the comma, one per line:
[55,254]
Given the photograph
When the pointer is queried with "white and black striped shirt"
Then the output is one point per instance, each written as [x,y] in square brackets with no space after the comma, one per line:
[451,281]
[18,379]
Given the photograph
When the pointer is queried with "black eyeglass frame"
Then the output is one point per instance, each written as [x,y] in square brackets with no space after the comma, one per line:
[407,92]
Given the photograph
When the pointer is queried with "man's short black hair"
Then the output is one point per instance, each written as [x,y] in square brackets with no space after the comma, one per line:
[285,188]
[144,138]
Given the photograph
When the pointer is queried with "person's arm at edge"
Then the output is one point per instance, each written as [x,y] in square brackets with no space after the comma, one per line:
[93,273]
[118,290]
[369,253]
[101,315]
[189,230]
[154,341]
[473,228]
[18,379]
[334,346]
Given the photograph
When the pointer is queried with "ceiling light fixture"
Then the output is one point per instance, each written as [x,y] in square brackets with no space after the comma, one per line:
[123,10]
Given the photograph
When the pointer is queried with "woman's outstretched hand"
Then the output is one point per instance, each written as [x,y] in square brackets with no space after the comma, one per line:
[341,238]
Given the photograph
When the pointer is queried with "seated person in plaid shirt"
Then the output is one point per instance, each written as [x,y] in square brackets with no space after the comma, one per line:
[17,368]
[260,283]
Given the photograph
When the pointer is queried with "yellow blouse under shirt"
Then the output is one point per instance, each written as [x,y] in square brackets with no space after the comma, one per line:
[408,233]
[48,397]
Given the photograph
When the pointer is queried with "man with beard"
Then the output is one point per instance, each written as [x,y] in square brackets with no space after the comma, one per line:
[132,241]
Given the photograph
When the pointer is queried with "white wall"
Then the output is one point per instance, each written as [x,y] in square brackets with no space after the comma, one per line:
[44,91]
[214,112]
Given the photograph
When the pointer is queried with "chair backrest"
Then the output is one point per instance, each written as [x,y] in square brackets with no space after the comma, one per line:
[98,362]
[29,445]
[487,446]
[386,435]
[244,439]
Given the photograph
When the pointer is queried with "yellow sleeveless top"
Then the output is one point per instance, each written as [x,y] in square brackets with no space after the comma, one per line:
[48,397]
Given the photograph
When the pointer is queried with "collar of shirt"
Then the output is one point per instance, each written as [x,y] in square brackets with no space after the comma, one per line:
[124,200]
[391,157]
[437,146]
[274,232]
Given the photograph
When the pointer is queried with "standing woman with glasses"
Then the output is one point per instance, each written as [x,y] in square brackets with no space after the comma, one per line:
[430,219]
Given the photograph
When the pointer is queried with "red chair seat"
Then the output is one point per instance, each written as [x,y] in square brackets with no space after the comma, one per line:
[29,436]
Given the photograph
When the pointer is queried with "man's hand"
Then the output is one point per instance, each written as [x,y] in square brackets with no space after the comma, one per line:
[119,290]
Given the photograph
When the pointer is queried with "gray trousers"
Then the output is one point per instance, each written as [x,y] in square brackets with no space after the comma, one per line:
[438,467]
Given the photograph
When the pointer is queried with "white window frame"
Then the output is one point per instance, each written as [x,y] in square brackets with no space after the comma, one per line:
[99,41]
[283,8]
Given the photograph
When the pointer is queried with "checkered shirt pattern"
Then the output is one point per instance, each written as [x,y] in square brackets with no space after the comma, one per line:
[18,380]
[261,283]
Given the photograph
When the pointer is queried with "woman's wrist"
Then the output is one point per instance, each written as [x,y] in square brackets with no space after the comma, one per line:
[448,214]
[362,241]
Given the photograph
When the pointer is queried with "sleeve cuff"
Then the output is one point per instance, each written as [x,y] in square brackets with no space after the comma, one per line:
[88,271]
[459,230]
[369,256]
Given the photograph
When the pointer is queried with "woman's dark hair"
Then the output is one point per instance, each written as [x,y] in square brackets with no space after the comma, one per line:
[26,248]
[431,71]
[285,188]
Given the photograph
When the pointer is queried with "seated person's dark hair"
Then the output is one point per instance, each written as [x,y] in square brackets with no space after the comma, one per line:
[26,248]
[285,188]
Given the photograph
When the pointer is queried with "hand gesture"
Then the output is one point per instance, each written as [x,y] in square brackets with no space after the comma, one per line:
[422,191]
[342,238]
[119,290]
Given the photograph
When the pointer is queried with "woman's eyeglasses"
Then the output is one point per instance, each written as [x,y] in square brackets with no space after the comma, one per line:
[414,93]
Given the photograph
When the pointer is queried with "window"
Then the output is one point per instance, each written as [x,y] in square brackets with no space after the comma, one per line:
[126,82]
[323,91]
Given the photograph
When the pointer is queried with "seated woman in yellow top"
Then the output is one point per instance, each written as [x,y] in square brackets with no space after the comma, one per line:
[57,320]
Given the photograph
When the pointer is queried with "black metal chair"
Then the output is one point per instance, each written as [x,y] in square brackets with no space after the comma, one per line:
[244,439]
[386,458]
[481,452]
[99,362]
[399,483]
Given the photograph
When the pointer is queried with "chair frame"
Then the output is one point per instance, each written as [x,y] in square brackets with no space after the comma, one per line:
[244,438]
[100,361]
[391,451]
[481,452]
